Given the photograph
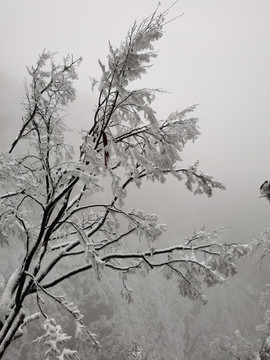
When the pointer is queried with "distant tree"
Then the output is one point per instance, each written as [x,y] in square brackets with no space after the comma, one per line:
[49,215]
[237,346]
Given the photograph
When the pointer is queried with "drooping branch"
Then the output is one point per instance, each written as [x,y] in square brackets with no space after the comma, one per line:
[214,251]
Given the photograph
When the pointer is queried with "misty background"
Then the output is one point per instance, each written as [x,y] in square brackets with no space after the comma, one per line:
[216,54]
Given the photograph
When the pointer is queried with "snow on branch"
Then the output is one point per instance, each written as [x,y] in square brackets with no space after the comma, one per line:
[54,339]
[50,87]
[203,260]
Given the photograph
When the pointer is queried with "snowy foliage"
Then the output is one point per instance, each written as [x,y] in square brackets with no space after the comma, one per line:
[47,202]
[235,348]
[265,190]
[54,339]
[239,347]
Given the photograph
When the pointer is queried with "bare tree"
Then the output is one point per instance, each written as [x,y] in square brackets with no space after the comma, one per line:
[47,200]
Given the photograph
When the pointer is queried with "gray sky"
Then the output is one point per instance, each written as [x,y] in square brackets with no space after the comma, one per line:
[217,54]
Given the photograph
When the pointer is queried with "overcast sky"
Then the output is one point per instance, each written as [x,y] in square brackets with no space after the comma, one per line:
[217,54]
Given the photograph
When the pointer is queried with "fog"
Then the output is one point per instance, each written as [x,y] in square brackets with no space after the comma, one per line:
[216,54]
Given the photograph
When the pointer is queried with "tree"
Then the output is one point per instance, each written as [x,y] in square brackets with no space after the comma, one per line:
[48,207]
[238,346]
